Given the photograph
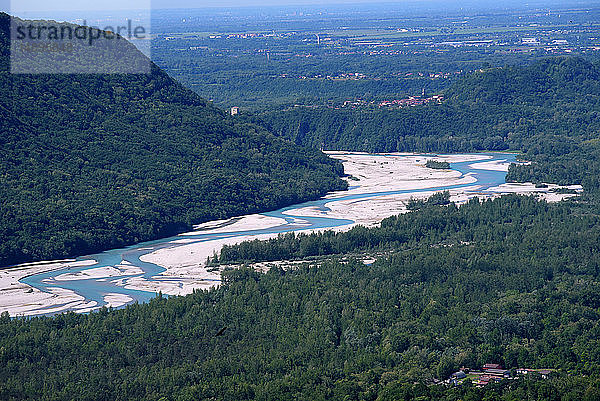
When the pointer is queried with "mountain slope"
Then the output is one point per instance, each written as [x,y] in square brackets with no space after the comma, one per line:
[90,162]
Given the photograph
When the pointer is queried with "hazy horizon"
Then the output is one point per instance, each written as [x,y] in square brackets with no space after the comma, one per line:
[41,6]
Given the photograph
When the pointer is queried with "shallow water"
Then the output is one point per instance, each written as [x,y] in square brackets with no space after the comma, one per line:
[94,289]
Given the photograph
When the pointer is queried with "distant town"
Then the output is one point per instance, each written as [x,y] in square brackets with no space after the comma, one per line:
[308,58]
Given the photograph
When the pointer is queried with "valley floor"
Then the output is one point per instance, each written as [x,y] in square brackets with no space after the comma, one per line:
[185,258]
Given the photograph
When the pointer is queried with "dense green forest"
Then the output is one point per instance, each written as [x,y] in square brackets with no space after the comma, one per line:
[548,111]
[90,162]
[511,281]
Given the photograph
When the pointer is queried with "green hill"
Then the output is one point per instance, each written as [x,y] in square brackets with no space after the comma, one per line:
[547,110]
[90,162]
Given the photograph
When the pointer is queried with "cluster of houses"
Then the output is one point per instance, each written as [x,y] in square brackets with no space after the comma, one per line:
[338,77]
[359,75]
[395,103]
[399,103]
[492,372]
[411,101]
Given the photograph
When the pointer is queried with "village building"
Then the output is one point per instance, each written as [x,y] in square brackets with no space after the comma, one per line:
[459,375]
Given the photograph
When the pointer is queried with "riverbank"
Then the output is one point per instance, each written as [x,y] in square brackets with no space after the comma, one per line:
[381,185]
[367,174]
[20,299]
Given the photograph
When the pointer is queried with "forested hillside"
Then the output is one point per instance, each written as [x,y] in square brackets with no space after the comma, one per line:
[548,111]
[511,281]
[90,162]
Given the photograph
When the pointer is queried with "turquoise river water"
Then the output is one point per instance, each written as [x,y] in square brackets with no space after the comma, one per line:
[94,289]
